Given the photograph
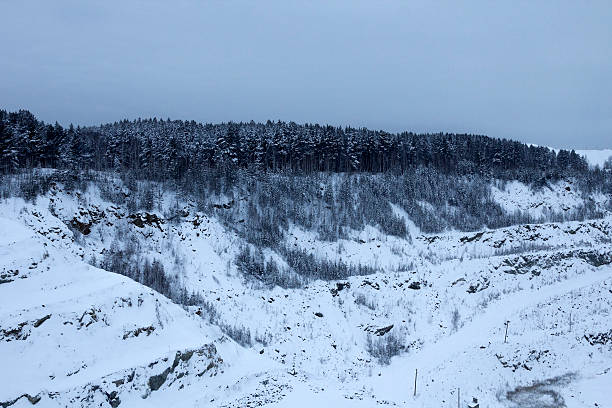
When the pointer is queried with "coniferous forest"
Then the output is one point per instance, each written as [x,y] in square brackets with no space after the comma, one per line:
[227,204]
[174,149]
[322,178]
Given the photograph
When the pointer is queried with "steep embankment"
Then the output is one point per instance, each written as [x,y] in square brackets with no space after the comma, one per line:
[75,335]
[438,303]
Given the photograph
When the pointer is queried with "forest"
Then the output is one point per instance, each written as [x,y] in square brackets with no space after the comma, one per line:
[328,179]
[174,149]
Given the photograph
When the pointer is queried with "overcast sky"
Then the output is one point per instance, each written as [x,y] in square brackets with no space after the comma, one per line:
[536,71]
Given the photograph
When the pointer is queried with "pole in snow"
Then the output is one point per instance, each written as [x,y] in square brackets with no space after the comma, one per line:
[506,335]
[416,372]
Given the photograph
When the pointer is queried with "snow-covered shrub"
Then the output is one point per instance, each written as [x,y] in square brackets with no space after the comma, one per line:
[241,335]
[252,264]
[360,299]
[455,319]
[109,191]
[121,259]
[385,347]
[307,265]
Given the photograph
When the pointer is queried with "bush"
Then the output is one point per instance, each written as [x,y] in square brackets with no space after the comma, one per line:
[252,264]
[385,347]
[240,335]
[361,299]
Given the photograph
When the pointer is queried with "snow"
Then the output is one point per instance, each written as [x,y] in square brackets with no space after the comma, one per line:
[310,345]
[596,157]
[68,290]
[559,198]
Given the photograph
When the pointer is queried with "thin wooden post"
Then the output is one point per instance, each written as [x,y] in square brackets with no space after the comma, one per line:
[416,372]
[506,335]
[570,322]
[458,396]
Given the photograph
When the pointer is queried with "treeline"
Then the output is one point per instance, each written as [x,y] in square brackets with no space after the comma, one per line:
[327,179]
[173,149]
[263,207]
[302,267]
[124,257]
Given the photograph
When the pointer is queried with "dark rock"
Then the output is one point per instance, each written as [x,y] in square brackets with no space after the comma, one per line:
[42,320]
[472,238]
[415,285]
[82,227]
[373,285]
[142,219]
[383,330]
[339,286]
[137,332]
[15,334]
[226,206]
[113,399]
[31,399]
[599,338]
[119,382]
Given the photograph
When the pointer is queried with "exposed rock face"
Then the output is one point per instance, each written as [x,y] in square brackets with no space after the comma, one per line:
[146,219]
[22,330]
[179,367]
[383,330]
[137,332]
[86,218]
[599,338]
[82,227]
[415,285]
[109,389]
[31,399]
[224,206]
[339,287]
[525,263]
[41,320]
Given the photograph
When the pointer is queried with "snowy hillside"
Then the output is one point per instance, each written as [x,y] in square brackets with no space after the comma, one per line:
[184,224]
[75,334]
[596,157]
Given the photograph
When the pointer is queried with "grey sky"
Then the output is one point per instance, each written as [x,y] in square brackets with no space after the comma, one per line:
[536,71]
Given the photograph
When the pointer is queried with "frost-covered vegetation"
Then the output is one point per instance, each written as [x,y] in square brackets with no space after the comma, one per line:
[316,176]
[248,283]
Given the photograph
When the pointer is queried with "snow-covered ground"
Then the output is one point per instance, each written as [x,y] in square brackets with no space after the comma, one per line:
[75,335]
[72,334]
[560,197]
[596,157]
